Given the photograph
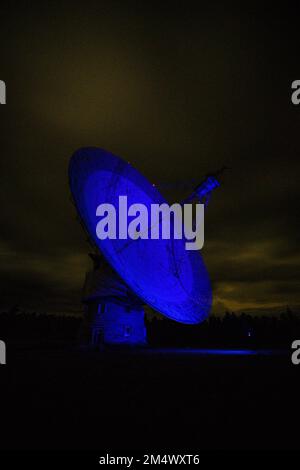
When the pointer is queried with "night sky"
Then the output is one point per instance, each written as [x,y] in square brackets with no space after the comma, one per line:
[178,92]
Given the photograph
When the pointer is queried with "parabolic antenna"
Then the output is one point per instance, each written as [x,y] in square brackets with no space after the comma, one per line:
[162,273]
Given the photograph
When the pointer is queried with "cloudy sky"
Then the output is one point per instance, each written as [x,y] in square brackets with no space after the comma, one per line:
[177,91]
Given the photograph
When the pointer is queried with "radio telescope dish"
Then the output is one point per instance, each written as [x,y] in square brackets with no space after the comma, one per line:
[162,273]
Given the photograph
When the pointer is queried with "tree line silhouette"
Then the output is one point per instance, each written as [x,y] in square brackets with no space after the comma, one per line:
[228,331]
[22,326]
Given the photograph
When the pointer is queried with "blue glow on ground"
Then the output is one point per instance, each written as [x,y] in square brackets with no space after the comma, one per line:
[215,352]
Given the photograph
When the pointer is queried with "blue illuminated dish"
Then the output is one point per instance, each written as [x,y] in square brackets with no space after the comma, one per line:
[162,273]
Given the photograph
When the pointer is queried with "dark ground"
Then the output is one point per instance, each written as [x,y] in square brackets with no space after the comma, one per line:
[163,400]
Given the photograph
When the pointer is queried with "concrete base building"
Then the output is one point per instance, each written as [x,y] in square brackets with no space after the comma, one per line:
[113,314]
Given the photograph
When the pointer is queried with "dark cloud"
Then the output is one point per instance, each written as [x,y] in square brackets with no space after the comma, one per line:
[178,93]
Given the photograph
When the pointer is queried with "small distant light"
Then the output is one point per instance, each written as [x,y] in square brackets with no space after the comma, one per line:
[249,333]
[153,184]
